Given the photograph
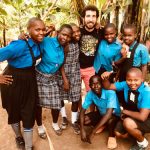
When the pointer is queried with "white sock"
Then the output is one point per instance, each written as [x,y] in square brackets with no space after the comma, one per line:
[55,126]
[41,129]
[74,116]
[144,143]
[63,112]
[17,129]
[28,136]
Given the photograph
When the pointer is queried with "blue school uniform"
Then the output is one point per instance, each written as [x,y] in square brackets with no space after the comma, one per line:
[144,94]
[53,56]
[108,99]
[106,54]
[141,56]
[18,55]
[20,98]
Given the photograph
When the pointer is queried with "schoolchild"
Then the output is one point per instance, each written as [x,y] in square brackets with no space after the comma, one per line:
[72,77]
[19,98]
[46,73]
[135,115]
[136,53]
[108,53]
[108,111]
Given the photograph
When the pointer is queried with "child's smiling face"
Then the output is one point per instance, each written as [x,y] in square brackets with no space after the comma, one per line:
[134,80]
[129,36]
[95,85]
[76,33]
[110,34]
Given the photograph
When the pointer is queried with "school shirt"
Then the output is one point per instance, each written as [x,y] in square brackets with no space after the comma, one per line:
[108,99]
[88,45]
[17,53]
[144,94]
[106,54]
[141,56]
[53,56]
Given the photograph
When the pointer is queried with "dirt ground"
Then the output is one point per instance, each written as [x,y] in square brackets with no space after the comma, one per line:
[67,141]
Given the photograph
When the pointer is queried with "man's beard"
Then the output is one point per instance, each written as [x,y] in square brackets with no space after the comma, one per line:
[86,25]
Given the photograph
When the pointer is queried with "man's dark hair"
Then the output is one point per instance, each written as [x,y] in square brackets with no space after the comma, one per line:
[92,8]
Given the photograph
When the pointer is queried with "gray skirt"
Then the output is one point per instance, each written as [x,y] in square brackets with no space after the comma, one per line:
[48,89]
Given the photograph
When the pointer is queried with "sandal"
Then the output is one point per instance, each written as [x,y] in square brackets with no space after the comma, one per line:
[20,142]
[41,132]
[42,135]
[58,132]
[112,143]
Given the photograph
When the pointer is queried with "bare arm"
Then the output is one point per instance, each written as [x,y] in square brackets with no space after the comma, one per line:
[104,119]
[107,85]
[84,136]
[102,122]
[144,71]
[65,80]
[141,116]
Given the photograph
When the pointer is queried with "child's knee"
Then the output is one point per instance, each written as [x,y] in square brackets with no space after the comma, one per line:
[129,123]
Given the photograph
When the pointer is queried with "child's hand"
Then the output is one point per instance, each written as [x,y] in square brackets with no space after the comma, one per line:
[84,136]
[66,85]
[24,36]
[50,29]
[6,79]
[124,50]
[106,75]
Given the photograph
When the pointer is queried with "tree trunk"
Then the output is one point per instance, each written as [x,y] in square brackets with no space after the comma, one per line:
[78,6]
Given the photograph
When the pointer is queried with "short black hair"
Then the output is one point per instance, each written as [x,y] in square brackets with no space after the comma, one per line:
[95,76]
[130,26]
[92,8]
[65,26]
[32,20]
[135,70]
[110,25]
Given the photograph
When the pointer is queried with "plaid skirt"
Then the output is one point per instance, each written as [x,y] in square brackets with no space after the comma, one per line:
[48,89]
[72,71]
[19,98]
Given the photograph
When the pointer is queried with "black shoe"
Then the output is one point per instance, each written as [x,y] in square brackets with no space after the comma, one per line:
[138,147]
[20,142]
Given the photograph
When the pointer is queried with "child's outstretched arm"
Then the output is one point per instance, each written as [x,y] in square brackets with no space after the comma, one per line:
[102,122]
[84,136]
[144,71]
[142,115]
[66,84]
[107,85]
